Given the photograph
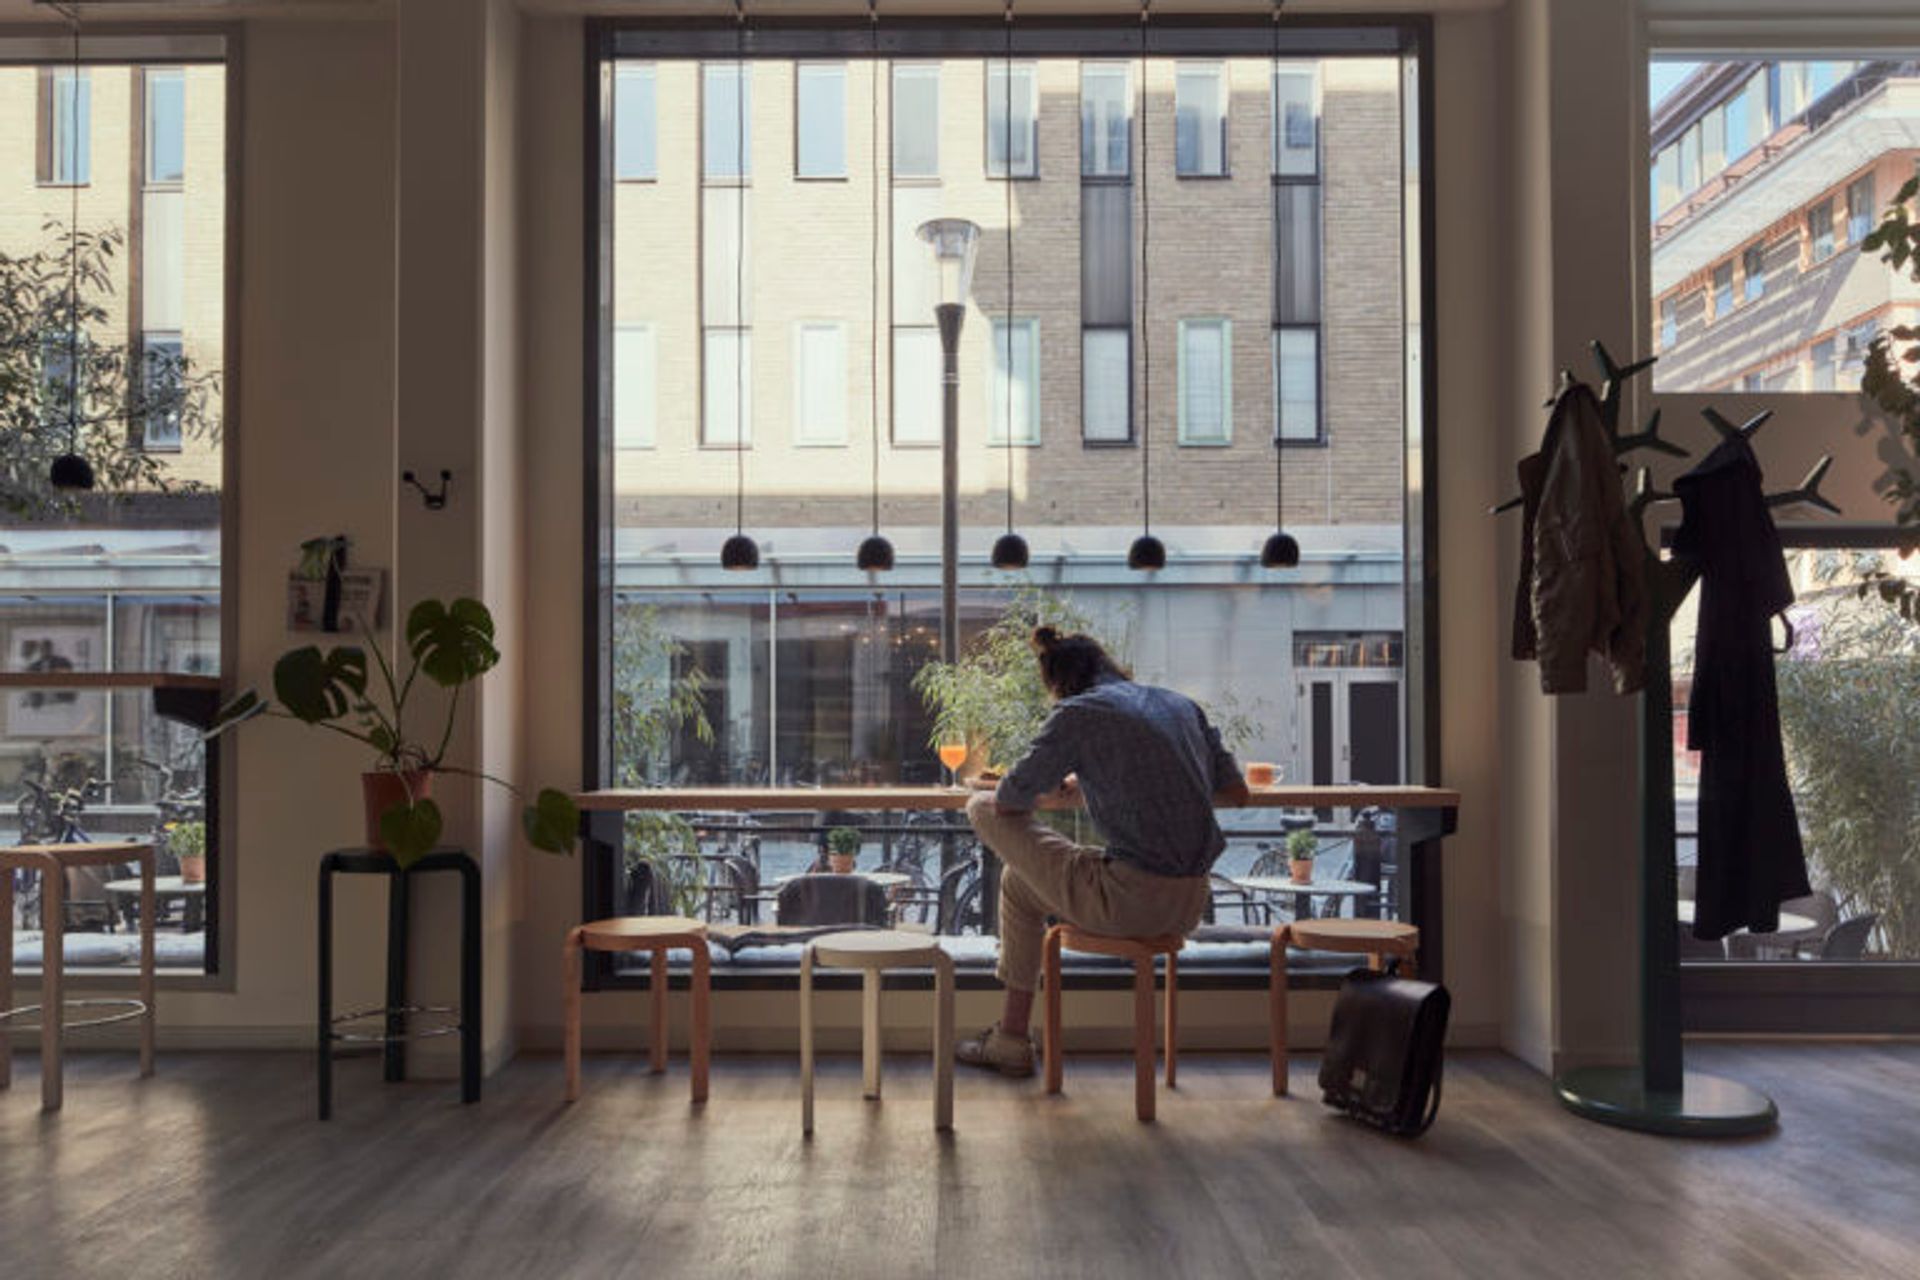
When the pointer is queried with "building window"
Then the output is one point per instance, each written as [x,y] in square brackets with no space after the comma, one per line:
[726,148]
[1106,386]
[1860,210]
[1296,384]
[1723,291]
[635,386]
[1753,270]
[636,120]
[1822,373]
[1853,356]
[163,363]
[66,127]
[916,386]
[1296,121]
[1666,180]
[1013,87]
[1206,382]
[1690,161]
[819,383]
[1106,119]
[820,120]
[726,419]
[1669,322]
[916,120]
[166,126]
[1014,390]
[1200,120]
[1820,232]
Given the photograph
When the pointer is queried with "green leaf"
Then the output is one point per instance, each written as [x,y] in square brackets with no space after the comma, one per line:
[411,830]
[1908,189]
[240,710]
[552,821]
[453,644]
[315,687]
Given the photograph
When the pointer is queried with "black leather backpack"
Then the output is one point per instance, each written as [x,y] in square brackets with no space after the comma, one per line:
[1384,1053]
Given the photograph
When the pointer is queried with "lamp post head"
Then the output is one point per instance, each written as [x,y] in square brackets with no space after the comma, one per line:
[954,242]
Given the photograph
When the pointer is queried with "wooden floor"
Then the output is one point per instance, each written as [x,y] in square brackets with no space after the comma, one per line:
[216,1168]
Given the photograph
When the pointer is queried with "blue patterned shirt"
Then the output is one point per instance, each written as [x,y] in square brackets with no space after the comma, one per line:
[1148,764]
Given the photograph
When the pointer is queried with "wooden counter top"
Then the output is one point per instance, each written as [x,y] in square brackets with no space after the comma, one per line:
[868,799]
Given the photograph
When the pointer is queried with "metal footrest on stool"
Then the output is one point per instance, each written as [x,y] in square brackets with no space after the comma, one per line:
[129,1010]
[452,1028]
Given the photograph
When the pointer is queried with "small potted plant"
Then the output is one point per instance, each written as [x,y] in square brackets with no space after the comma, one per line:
[452,646]
[1301,847]
[187,842]
[843,846]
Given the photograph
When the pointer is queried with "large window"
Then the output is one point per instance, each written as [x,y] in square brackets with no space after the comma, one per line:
[759,329]
[110,600]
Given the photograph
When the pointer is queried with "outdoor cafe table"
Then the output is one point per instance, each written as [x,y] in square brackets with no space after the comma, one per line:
[1303,890]
[1424,815]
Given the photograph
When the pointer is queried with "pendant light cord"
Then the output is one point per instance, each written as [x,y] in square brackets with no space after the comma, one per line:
[739,265]
[873,260]
[1273,182]
[1007,156]
[72,16]
[1146,295]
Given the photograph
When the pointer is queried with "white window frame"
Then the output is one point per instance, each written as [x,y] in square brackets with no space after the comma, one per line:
[1318,434]
[1020,331]
[912,71]
[1285,157]
[925,339]
[1188,434]
[714,432]
[636,408]
[1087,433]
[800,73]
[832,433]
[152,78]
[1027,124]
[1223,103]
[745,145]
[75,87]
[1097,136]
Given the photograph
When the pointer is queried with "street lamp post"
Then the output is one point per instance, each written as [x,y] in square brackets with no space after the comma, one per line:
[954,241]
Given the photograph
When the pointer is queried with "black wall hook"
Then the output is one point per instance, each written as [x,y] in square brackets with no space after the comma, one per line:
[435,499]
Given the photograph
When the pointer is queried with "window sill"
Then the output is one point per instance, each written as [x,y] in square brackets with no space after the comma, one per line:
[637,182]
[821,177]
[1202,177]
[1206,444]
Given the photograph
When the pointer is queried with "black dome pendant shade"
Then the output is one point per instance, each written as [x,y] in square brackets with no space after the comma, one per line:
[739,553]
[1010,551]
[1147,552]
[875,555]
[71,471]
[1282,551]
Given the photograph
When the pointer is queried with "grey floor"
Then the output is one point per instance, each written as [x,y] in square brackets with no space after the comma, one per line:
[216,1168]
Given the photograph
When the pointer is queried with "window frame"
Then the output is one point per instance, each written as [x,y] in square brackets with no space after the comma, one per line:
[1319,438]
[633,70]
[991,101]
[839,438]
[913,68]
[651,413]
[1820,231]
[1106,67]
[51,154]
[1131,436]
[800,174]
[1223,99]
[150,77]
[148,340]
[1186,437]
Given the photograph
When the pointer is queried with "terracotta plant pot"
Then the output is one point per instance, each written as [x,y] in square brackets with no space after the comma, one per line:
[841,864]
[193,869]
[1300,870]
[384,789]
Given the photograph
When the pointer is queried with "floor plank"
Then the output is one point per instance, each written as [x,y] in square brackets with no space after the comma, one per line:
[216,1168]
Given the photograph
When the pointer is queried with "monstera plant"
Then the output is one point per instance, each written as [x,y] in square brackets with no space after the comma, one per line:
[451,646]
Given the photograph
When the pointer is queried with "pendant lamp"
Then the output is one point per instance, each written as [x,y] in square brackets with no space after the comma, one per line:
[1282,549]
[1147,552]
[1010,549]
[876,553]
[70,471]
[739,553]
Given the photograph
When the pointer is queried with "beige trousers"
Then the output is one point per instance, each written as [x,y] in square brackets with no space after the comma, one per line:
[1046,874]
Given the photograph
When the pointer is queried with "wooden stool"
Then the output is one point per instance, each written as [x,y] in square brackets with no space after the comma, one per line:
[656,934]
[52,862]
[873,952]
[1142,952]
[1375,939]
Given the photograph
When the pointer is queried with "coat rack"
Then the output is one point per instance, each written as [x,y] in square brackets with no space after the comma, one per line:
[1660,1095]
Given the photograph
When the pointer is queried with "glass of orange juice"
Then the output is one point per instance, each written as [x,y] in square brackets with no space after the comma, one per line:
[953,754]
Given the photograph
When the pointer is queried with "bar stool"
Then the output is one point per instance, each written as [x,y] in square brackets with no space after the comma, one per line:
[52,861]
[873,952]
[1141,951]
[656,934]
[1375,939]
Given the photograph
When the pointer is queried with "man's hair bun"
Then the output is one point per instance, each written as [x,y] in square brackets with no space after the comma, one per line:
[1045,637]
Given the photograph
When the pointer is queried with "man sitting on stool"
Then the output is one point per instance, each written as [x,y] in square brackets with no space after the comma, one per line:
[1150,770]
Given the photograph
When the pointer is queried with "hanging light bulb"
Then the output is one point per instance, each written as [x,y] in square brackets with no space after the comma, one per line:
[1282,549]
[71,472]
[1009,549]
[1147,552]
[739,553]
[876,552]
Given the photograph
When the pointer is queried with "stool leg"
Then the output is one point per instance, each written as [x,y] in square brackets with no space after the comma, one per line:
[1277,1010]
[146,961]
[806,1041]
[1409,961]
[943,1042]
[870,1032]
[657,988]
[325,1037]
[570,1002]
[1143,1037]
[700,1028]
[53,960]
[399,916]
[470,977]
[1050,968]
[1173,1015]
[6,973]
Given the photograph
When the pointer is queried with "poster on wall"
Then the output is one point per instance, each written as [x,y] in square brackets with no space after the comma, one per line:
[53,713]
